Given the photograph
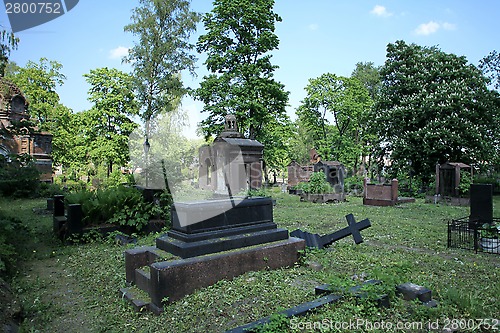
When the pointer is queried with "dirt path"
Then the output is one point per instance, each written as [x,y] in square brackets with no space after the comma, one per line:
[52,298]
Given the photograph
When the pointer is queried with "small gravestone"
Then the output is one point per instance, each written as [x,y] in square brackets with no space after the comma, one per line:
[411,291]
[317,241]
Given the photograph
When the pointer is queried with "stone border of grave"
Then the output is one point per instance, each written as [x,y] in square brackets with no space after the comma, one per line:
[203,251]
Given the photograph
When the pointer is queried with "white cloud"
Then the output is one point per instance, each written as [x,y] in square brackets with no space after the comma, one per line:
[313,26]
[431,27]
[380,11]
[427,28]
[118,52]
[449,26]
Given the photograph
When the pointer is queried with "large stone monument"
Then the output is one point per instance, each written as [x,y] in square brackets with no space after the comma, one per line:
[203,232]
[231,162]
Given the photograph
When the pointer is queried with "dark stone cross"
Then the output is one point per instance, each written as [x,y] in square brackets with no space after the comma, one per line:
[317,241]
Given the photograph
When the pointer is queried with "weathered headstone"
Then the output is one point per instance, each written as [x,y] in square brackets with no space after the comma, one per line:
[317,241]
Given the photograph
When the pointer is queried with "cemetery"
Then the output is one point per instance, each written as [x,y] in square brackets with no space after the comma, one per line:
[227,204]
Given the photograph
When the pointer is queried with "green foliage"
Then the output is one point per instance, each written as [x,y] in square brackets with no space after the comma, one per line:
[238,41]
[465,181]
[434,107]
[18,177]
[353,184]
[369,75]
[119,205]
[108,124]
[38,81]
[48,190]
[161,52]
[12,235]
[493,179]
[317,184]
[490,230]
[8,42]
[490,65]
[278,323]
[261,192]
[348,102]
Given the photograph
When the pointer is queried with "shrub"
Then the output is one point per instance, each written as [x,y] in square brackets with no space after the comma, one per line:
[120,205]
[493,179]
[317,184]
[19,176]
[12,233]
[48,190]
[354,184]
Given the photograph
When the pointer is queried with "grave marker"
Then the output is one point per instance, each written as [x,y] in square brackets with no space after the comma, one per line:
[317,241]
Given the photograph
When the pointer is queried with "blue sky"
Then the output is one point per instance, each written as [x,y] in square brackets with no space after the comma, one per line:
[316,37]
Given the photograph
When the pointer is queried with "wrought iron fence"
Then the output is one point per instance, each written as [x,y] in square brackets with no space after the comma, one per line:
[470,234]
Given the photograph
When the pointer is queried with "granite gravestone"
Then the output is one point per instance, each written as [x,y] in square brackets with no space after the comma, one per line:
[481,203]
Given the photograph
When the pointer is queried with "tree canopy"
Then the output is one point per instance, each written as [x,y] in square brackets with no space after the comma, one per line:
[347,103]
[240,35]
[161,53]
[434,107]
[39,81]
[109,121]
[8,42]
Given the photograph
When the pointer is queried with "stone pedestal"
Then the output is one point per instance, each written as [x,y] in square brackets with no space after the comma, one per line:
[212,226]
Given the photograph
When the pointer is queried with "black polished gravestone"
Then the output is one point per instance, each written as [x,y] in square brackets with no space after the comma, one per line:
[217,225]
[317,241]
[481,203]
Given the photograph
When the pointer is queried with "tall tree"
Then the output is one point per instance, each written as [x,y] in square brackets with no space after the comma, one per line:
[490,65]
[162,51]
[39,81]
[347,102]
[369,75]
[434,107]
[8,42]
[240,35]
[109,120]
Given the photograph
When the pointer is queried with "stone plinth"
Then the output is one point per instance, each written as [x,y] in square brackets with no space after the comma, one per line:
[212,226]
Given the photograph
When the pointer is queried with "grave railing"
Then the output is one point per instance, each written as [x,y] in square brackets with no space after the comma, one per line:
[467,233]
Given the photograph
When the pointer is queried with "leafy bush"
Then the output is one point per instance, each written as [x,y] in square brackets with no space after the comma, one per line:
[48,190]
[261,192]
[354,184]
[11,235]
[18,177]
[119,205]
[493,179]
[317,184]
[465,181]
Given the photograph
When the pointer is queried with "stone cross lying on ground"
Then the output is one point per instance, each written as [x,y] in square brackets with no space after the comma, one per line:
[317,241]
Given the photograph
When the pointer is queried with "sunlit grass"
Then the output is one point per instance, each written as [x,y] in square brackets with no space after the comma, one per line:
[79,284]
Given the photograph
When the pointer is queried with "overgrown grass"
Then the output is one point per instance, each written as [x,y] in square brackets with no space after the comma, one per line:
[75,288]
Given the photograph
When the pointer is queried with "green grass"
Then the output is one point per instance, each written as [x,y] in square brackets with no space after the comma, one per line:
[75,288]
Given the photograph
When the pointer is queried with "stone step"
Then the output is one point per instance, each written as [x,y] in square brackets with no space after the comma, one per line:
[143,279]
[138,298]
